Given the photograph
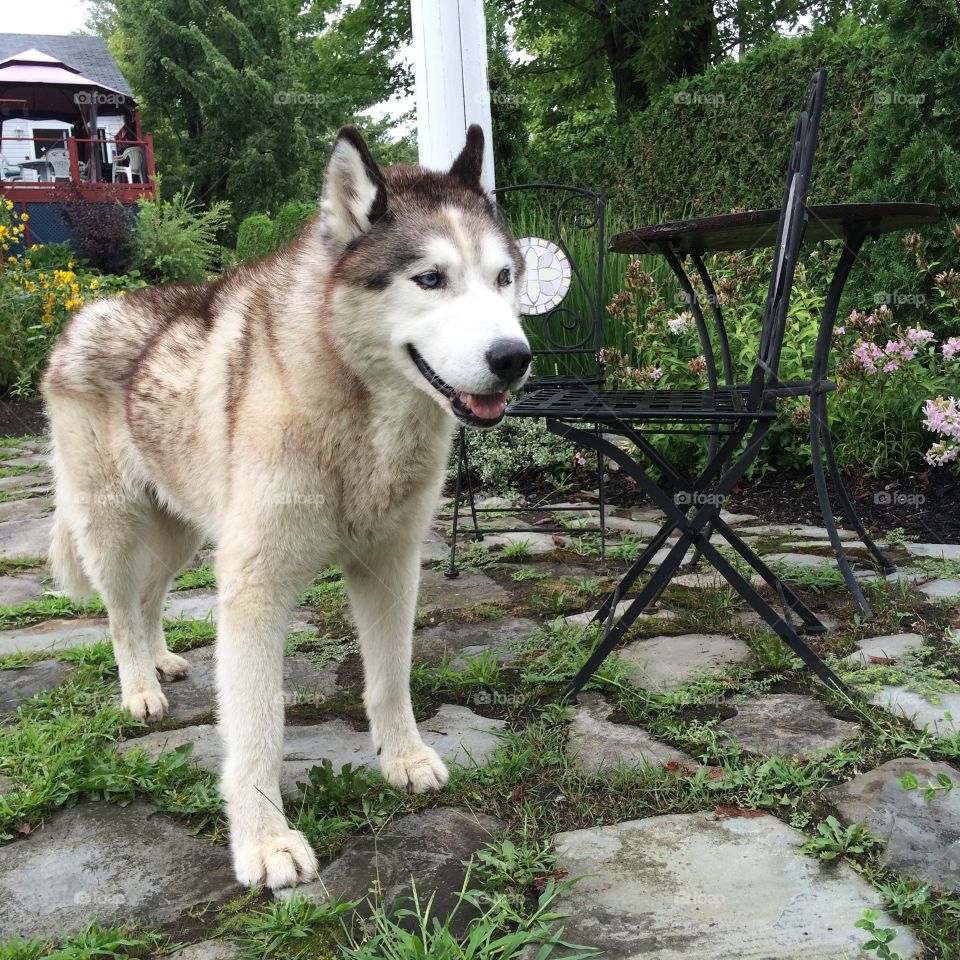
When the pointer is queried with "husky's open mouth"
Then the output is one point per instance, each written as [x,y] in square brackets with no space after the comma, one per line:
[473,409]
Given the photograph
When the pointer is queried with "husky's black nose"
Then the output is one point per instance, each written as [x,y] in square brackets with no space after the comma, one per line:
[508,359]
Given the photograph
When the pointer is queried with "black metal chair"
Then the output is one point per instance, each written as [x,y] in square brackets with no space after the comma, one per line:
[733,419]
[564,315]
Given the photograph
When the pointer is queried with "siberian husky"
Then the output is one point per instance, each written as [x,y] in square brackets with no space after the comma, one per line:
[299,412]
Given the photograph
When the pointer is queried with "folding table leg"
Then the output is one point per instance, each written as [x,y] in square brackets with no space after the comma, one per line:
[818,422]
[846,504]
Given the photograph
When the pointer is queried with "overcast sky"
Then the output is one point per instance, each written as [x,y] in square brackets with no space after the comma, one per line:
[43,16]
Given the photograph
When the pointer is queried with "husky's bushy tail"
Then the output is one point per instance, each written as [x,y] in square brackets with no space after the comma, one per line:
[65,563]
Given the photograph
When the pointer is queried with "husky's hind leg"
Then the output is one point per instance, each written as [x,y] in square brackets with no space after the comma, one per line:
[98,539]
[170,543]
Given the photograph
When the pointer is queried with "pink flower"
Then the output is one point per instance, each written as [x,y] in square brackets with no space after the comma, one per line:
[867,354]
[899,350]
[579,459]
[951,348]
[942,416]
[919,335]
[839,331]
[655,374]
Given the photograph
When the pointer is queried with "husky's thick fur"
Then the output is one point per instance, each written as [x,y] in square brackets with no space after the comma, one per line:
[297,411]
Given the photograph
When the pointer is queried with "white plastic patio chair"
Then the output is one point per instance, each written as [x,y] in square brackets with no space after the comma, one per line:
[8,170]
[60,161]
[129,164]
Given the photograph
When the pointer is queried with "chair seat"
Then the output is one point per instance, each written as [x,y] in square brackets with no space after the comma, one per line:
[723,405]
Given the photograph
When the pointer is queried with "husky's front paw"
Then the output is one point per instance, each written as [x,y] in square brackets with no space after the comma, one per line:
[147,706]
[419,769]
[277,860]
[171,667]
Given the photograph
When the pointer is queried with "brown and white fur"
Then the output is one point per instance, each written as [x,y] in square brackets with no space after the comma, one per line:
[280,411]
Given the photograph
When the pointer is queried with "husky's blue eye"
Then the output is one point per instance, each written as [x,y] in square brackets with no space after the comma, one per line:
[503,279]
[429,280]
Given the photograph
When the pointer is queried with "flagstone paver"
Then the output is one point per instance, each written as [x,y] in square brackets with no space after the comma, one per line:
[920,837]
[457,733]
[427,850]
[191,605]
[111,864]
[442,594]
[54,635]
[6,784]
[208,950]
[25,538]
[20,588]
[685,886]
[941,719]
[536,544]
[582,619]
[889,647]
[942,590]
[662,664]
[26,508]
[789,724]
[25,682]
[196,694]
[811,560]
[595,743]
[470,640]
[939,551]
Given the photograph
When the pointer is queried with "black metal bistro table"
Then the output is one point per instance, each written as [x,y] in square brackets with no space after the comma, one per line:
[852,223]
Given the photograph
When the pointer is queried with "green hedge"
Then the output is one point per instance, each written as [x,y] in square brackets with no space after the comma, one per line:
[259,235]
[717,142]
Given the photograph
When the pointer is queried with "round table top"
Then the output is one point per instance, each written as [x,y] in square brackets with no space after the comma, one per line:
[758,228]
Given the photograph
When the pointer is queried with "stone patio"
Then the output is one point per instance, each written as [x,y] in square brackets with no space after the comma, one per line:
[716,883]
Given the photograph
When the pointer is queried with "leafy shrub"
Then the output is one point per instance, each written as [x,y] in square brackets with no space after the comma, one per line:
[101,233]
[885,368]
[255,238]
[259,236]
[39,288]
[518,449]
[290,220]
[177,240]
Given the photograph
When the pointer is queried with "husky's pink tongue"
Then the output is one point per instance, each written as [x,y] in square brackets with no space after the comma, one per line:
[487,406]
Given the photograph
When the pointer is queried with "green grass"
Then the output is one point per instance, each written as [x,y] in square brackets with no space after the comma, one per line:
[196,578]
[58,750]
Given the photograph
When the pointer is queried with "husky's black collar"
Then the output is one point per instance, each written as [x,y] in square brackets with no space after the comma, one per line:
[462,412]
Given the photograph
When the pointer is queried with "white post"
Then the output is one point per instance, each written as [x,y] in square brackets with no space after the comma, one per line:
[450,51]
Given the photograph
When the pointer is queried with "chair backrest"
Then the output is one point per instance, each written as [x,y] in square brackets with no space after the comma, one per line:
[60,161]
[790,230]
[562,235]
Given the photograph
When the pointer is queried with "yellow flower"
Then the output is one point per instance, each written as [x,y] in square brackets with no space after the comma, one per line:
[94,284]
[24,217]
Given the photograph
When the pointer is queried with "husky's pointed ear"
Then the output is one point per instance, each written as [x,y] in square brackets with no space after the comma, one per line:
[468,167]
[354,195]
